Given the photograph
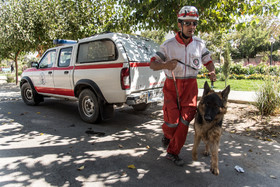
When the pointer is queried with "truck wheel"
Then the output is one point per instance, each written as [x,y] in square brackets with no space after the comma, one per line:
[89,107]
[141,106]
[29,97]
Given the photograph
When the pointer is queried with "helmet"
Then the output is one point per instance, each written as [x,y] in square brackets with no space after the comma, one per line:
[188,12]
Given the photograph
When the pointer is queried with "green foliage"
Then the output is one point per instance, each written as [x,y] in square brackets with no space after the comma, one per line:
[227,64]
[10,78]
[237,68]
[157,35]
[268,96]
[215,15]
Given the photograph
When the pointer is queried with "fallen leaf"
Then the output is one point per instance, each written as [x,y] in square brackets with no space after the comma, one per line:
[120,146]
[9,112]
[233,131]
[268,139]
[250,150]
[273,135]
[38,112]
[148,147]
[81,168]
[273,177]
[131,166]
[41,134]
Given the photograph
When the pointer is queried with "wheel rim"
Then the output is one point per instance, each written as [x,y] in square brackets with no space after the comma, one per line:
[88,106]
[28,94]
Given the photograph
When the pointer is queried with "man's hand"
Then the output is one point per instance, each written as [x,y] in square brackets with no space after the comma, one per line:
[212,76]
[171,64]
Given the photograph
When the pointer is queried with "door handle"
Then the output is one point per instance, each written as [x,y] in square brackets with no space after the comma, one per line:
[50,72]
[66,72]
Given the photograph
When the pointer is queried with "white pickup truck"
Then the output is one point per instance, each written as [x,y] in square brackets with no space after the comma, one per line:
[100,71]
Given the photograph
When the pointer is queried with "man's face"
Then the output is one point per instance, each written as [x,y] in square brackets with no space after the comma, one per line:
[189,27]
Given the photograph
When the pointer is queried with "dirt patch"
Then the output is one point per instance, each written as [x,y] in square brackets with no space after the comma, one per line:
[244,119]
[241,119]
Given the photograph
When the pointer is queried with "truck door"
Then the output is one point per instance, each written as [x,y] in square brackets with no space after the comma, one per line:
[44,83]
[63,73]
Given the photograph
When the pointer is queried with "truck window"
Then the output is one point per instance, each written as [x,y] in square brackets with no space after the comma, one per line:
[64,57]
[139,49]
[48,59]
[97,51]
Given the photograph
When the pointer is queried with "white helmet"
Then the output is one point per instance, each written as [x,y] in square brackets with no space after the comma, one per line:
[188,13]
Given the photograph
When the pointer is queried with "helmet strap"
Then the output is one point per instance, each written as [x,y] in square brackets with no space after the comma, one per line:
[184,36]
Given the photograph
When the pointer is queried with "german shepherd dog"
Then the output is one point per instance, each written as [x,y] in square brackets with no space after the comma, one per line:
[208,123]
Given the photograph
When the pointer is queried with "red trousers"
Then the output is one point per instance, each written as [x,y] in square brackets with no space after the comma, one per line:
[176,122]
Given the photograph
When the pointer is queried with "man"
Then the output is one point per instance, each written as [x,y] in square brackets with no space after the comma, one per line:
[181,58]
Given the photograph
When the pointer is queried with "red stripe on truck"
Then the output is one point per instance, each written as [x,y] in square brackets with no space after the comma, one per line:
[57,91]
[100,66]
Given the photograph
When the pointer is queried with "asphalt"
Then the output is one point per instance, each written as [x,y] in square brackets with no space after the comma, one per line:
[46,150]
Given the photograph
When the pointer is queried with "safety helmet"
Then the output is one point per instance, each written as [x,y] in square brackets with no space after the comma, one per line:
[188,13]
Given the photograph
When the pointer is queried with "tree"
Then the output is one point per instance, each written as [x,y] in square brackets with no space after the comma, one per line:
[227,63]
[13,40]
[28,25]
[157,35]
[215,15]
[254,38]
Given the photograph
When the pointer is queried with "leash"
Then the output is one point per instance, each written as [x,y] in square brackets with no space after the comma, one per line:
[163,58]
[177,93]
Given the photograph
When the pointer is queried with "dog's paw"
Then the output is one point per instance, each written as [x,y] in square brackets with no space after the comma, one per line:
[215,171]
[194,157]
[206,153]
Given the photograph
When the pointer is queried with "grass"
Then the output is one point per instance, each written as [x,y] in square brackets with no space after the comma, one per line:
[237,85]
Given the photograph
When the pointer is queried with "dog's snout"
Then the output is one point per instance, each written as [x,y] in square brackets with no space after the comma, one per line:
[207,118]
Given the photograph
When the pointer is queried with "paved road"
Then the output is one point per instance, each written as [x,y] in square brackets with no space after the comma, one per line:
[47,144]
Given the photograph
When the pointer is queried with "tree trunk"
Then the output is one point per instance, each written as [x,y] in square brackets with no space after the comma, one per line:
[16,65]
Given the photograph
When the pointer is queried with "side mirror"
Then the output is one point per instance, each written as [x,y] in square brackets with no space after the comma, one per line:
[34,65]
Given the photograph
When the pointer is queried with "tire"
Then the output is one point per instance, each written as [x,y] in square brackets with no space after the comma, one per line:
[141,106]
[89,108]
[29,97]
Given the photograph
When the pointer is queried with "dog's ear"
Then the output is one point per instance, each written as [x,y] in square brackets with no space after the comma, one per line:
[206,88]
[225,93]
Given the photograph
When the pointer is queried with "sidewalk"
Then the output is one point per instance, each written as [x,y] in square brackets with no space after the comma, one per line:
[3,79]
[237,96]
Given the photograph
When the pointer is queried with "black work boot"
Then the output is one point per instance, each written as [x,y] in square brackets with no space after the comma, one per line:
[165,141]
[175,158]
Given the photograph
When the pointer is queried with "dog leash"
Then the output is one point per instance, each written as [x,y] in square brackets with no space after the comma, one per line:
[163,58]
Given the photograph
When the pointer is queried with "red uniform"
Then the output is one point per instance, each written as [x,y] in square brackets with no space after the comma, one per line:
[177,118]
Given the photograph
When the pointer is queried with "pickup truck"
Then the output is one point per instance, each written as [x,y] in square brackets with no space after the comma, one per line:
[100,72]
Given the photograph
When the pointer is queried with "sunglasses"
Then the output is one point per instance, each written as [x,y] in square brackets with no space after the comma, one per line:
[188,23]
